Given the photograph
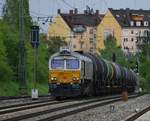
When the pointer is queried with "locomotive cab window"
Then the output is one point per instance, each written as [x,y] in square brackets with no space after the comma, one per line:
[72,64]
[57,64]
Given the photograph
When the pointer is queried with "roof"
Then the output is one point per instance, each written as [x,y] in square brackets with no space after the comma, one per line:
[81,19]
[125,16]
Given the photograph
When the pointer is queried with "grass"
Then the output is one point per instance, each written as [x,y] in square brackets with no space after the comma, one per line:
[42,88]
[11,88]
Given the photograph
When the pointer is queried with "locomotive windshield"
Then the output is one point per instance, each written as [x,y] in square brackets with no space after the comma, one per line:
[57,64]
[72,64]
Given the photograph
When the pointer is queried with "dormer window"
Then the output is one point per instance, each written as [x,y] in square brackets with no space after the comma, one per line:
[79,28]
[117,15]
[138,23]
[132,23]
[145,23]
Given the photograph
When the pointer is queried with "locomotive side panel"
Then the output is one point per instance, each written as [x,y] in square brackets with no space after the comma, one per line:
[88,70]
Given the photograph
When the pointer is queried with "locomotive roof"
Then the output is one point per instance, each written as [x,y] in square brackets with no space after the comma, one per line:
[73,54]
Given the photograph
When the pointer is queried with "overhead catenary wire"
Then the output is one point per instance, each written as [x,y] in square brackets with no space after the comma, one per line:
[68,4]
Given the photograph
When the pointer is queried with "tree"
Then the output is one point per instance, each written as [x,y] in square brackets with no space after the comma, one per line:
[10,42]
[6,72]
[11,15]
[110,49]
[54,44]
[145,62]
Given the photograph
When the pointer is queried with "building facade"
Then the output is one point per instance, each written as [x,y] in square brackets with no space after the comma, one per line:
[78,30]
[126,25]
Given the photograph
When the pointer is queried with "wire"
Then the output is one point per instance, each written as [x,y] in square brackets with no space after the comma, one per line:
[68,4]
[105,2]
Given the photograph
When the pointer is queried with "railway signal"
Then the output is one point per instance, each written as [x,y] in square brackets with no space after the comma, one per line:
[35,44]
[114,57]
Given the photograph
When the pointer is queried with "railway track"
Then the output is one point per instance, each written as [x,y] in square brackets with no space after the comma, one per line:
[138,114]
[56,110]
[18,97]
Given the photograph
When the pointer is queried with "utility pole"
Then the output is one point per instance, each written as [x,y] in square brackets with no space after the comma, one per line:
[22,60]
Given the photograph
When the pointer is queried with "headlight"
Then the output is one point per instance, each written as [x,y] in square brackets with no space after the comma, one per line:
[54,78]
[75,79]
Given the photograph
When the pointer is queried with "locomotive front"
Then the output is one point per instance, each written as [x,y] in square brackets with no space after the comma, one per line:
[64,74]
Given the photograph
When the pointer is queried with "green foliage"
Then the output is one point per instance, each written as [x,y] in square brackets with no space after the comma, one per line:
[9,51]
[10,41]
[110,48]
[11,15]
[42,65]
[54,44]
[6,72]
[145,63]
[9,88]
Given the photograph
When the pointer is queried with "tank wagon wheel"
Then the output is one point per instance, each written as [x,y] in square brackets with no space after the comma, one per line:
[58,98]
[87,89]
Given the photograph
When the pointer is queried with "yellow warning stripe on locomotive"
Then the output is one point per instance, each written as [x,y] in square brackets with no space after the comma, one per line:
[64,76]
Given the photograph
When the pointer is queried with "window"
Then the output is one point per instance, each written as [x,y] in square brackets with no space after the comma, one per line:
[81,36]
[91,40]
[145,23]
[132,32]
[117,15]
[74,36]
[132,23]
[91,49]
[79,29]
[132,48]
[125,39]
[138,23]
[57,64]
[74,46]
[91,31]
[132,39]
[72,64]
[126,48]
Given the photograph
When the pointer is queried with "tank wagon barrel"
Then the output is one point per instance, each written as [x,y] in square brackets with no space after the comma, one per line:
[76,73]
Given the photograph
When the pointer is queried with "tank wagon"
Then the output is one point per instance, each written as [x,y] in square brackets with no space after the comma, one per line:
[77,74]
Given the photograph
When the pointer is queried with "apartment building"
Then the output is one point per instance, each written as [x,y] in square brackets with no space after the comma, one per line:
[79,30]
[126,25]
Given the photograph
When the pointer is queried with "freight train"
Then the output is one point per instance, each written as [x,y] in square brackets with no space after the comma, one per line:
[78,74]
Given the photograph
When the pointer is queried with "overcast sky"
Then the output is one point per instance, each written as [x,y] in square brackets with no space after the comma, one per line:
[49,7]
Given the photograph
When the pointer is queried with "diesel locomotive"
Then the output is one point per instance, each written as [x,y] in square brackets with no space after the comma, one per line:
[78,74]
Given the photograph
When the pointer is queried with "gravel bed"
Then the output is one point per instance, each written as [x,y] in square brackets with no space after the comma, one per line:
[38,109]
[122,110]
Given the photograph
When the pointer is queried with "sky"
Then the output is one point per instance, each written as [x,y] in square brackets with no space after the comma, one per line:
[44,8]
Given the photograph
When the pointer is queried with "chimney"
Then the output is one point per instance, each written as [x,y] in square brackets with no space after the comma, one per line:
[58,11]
[76,11]
[70,12]
[97,12]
